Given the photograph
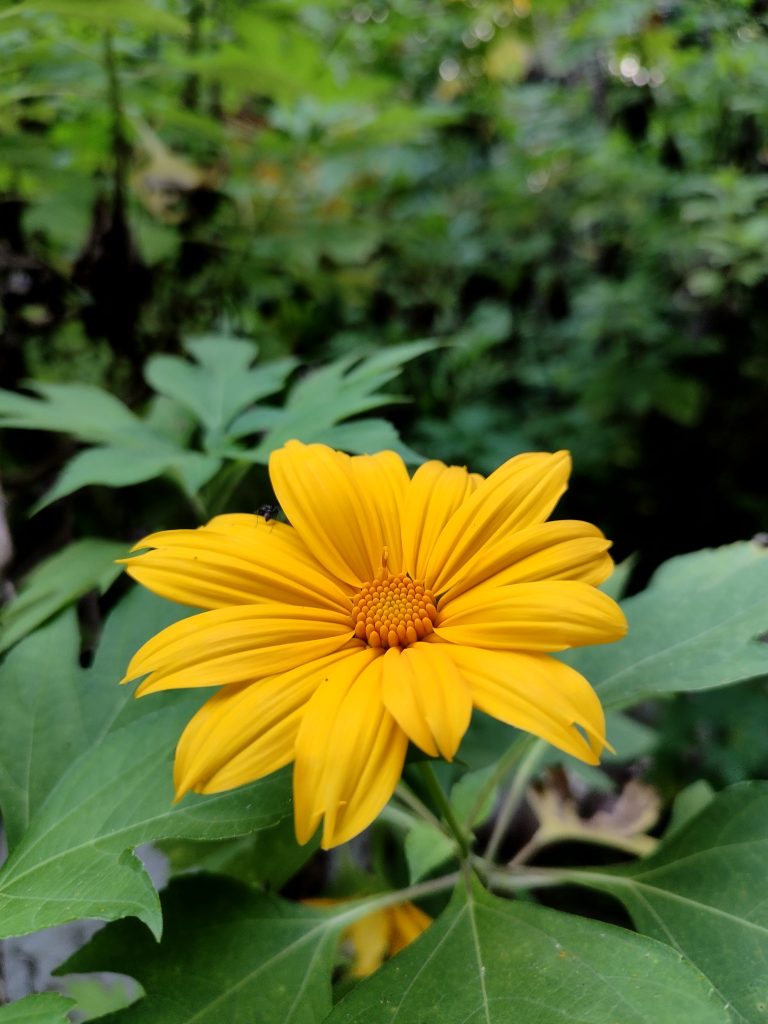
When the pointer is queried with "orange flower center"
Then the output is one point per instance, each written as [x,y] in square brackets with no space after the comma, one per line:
[393,611]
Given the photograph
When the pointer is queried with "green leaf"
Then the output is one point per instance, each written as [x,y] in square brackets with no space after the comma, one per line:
[139,12]
[267,859]
[362,437]
[228,954]
[53,708]
[113,466]
[705,893]
[492,961]
[426,849]
[87,412]
[695,627]
[58,581]
[75,860]
[85,776]
[222,383]
[46,1008]
[337,391]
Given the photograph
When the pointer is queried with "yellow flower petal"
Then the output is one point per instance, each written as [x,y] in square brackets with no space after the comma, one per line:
[407,923]
[235,559]
[238,644]
[562,550]
[434,494]
[370,940]
[319,490]
[428,697]
[382,481]
[245,732]
[543,616]
[349,753]
[518,494]
[536,693]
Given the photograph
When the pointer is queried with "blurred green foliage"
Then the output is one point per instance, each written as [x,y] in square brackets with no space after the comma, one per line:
[573,199]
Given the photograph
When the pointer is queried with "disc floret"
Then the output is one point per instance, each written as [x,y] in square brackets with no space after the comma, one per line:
[393,611]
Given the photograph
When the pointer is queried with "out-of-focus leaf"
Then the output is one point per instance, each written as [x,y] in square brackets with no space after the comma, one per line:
[346,387]
[266,859]
[221,384]
[113,466]
[44,1008]
[426,849]
[87,412]
[57,582]
[139,12]
[228,954]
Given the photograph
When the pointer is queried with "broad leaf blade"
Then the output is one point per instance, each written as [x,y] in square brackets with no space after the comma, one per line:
[41,726]
[74,861]
[53,710]
[695,627]
[86,771]
[705,892]
[228,954]
[490,961]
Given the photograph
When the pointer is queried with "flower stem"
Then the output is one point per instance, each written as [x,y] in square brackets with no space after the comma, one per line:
[406,795]
[525,771]
[438,795]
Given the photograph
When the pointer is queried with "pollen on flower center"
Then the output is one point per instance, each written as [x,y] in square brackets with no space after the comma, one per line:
[393,612]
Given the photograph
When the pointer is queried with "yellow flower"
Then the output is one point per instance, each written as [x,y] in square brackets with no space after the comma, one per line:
[386,610]
[378,935]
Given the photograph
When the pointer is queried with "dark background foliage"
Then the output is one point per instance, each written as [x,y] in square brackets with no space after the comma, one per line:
[572,199]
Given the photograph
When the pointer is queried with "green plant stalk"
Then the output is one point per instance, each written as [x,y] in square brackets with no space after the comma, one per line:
[405,794]
[438,795]
[224,485]
[525,771]
[515,751]
[361,908]
[121,148]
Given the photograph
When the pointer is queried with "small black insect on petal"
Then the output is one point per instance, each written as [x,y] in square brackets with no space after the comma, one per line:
[268,512]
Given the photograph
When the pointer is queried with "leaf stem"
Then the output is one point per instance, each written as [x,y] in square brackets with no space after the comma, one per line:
[405,794]
[525,771]
[361,908]
[438,795]
[513,754]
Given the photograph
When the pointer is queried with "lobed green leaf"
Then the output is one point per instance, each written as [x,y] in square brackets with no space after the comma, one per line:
[490,961]
[705,893]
